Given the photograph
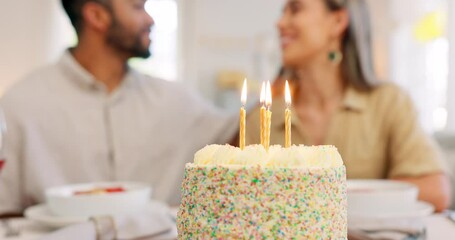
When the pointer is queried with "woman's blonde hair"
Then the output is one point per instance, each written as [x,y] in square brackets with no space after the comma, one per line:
[357,63]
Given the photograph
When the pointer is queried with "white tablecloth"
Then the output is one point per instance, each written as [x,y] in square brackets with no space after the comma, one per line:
[438,227]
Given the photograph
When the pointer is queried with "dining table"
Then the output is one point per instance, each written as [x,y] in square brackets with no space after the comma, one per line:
[438,226]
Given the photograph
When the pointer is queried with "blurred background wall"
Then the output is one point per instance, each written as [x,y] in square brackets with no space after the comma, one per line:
[32,33]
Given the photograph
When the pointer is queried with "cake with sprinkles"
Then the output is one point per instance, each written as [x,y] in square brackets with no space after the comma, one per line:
[283,193]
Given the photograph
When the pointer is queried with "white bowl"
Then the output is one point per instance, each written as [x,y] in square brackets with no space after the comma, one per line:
[373,197]
[63,201]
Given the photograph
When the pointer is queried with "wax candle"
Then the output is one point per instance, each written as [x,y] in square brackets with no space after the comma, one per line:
[287,117]
[262,114]
[243,117]
[268,115]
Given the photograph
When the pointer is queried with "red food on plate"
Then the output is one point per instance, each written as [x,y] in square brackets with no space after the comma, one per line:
[96,191]
[114,189]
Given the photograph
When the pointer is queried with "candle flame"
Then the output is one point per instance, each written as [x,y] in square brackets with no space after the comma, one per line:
[268,95]
[287,94]
[262,98]
[244,92]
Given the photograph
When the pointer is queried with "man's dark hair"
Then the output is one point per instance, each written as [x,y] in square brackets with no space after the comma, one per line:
[73,9]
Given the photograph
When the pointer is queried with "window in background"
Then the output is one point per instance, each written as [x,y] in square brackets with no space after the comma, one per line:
[163,62]
[419,57]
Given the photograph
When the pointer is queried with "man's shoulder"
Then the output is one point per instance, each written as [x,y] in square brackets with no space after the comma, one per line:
[156,83]
[166,88]
[31,84]
[175,95]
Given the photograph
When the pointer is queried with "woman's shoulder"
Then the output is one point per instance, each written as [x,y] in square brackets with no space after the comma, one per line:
[387,88]
[389,95]
[390,99]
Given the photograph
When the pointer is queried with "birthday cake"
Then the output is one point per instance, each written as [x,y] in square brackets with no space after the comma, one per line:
[283,193]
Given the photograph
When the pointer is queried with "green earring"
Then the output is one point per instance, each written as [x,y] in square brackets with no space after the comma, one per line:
[335,57]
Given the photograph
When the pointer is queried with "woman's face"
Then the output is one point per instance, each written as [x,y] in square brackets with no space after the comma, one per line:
[308,30]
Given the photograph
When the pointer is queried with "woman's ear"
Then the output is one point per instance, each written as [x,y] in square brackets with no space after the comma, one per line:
[96,17]
[341,22]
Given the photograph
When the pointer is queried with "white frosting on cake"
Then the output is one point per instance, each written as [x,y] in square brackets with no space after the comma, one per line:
[277,156]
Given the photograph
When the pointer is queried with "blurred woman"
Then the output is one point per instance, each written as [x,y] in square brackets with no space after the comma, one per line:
[337,99]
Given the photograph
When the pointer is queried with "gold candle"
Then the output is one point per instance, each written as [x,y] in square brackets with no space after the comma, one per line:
[262,114]
[287,122]
[243,117]
[268,115]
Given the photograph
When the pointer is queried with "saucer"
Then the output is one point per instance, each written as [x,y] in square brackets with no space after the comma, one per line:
[419,209]
[42,215]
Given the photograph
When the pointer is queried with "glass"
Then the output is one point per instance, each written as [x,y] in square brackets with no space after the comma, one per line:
[2,139]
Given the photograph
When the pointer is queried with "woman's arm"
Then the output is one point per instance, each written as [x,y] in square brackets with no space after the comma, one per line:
[414,156]
[433,188]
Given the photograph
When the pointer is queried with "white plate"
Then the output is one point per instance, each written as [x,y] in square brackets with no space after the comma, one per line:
[373,196]
[41,214]
[63,201]
[420,209]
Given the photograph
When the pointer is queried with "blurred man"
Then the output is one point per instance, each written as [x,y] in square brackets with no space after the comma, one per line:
[90,117]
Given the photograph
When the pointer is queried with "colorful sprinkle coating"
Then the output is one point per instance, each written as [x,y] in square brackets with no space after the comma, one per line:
[255,202]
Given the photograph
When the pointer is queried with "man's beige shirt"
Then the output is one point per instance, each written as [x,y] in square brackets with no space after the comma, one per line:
[376,133]
[65,128]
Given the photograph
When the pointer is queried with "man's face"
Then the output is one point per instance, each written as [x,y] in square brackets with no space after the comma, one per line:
[130,28]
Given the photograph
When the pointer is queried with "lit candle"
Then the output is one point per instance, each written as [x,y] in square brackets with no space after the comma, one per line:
[287,123]
[268,115]
[243,117]
[262,113]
